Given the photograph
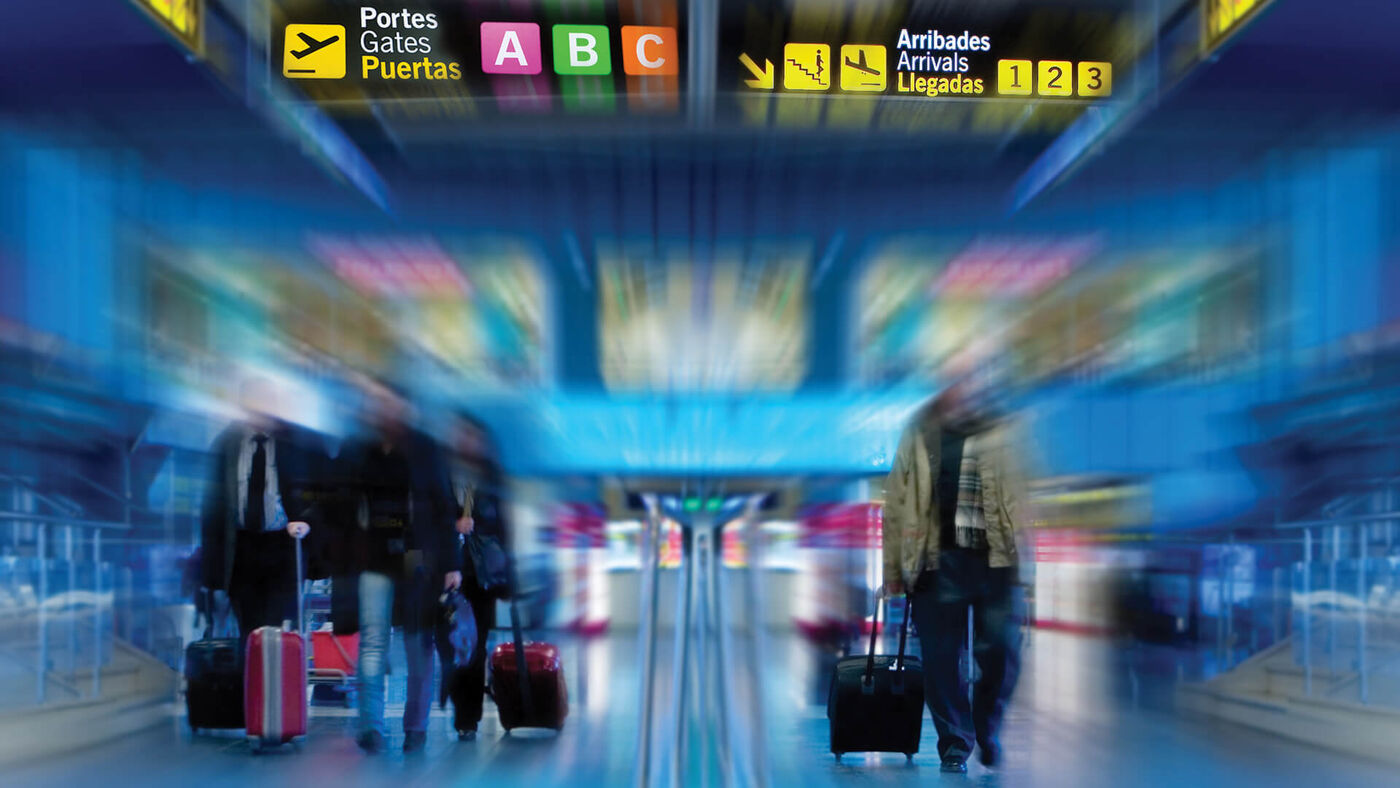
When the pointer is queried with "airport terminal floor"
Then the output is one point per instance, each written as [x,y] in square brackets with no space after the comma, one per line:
[732,393]
[1081,719]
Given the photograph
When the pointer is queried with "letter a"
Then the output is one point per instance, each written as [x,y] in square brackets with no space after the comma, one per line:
[511,48]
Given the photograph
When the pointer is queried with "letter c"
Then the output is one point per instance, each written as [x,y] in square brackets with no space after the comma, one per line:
[642,41]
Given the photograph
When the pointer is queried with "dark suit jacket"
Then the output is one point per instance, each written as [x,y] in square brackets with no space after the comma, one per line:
[299,462]
[431,530]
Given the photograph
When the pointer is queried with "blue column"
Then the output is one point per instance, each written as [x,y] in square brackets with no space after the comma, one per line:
[69,247]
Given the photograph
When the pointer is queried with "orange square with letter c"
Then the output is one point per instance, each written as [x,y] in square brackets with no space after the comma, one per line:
[649,50]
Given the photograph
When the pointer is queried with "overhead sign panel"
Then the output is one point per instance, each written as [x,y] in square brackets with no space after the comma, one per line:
[777,56]
[469,55]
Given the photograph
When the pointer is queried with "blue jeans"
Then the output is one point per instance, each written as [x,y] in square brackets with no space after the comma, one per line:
[376,622]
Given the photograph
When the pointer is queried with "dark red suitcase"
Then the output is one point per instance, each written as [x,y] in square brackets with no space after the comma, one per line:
[527,682]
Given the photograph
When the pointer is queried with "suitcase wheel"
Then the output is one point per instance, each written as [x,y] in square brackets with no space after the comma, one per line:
[908,757]
[838,756]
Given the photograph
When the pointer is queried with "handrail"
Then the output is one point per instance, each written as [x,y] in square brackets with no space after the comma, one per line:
[1349,519]
[50,519]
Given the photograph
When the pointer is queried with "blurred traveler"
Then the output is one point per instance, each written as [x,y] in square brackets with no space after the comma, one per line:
[254,508]
[478,485]
[408,554]
[952,513]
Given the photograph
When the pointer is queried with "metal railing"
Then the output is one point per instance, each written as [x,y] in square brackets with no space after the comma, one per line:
[35,546]
[1342,610]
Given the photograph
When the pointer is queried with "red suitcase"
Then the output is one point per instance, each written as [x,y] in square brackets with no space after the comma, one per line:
[527,682]
[274,686]
[274,680]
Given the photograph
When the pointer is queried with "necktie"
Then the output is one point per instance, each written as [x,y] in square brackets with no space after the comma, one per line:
[254,516]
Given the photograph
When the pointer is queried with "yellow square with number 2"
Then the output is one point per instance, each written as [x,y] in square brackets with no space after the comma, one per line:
[1054,78]
[1095,79]
[1014,77]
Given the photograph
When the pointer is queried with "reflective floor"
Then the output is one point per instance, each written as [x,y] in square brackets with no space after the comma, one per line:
[1086,714]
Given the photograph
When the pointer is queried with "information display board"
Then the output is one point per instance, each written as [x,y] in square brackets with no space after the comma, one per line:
[869,55]
[597,56]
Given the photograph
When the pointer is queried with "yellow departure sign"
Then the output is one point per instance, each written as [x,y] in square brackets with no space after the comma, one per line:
[181,17]
[314,52]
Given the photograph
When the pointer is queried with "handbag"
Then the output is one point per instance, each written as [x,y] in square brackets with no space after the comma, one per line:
[490,564]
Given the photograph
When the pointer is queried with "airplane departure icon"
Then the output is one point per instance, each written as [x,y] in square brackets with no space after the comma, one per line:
[863,67]
[312,45]
[314,52]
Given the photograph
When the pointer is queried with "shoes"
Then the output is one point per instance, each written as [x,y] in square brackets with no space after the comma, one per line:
[414,741]
[467,735]
[372,742]
[989,754]
[954,763]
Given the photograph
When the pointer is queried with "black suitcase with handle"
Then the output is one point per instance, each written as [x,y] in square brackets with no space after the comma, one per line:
[214,684]
[876,702]
[214,679]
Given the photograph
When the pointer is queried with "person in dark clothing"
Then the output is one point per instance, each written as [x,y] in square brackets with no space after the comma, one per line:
[256,505]
[952,513]
[478,485]
[408,553]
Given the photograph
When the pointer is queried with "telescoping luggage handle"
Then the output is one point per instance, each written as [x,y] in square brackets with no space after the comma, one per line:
[522,666]
[867,684]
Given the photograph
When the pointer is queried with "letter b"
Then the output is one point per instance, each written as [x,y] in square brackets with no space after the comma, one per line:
[581,49]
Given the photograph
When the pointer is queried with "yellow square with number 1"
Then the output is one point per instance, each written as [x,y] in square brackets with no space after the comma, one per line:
[1095,79]
[1054,78]
[1014,77]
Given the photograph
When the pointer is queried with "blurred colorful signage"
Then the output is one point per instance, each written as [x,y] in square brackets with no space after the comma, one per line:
[392,267]
[978,51]
[1224,17]
[996,267]
[181,17]
[523,55]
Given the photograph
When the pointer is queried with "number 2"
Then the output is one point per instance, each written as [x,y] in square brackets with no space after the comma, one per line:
[1054,82]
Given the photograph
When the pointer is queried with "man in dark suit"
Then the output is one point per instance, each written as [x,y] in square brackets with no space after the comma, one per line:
[257,503]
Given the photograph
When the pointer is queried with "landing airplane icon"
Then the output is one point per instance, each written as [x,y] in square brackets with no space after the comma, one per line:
[861,65]
[312,45]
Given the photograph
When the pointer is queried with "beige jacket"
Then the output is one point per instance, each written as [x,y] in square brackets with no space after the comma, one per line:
[911,527]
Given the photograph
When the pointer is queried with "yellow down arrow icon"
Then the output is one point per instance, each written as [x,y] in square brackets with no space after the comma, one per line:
[763,77]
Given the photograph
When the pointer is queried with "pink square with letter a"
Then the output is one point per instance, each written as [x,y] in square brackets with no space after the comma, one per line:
[511,48]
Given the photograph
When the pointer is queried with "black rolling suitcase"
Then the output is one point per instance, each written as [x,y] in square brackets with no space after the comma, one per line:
[876,703]
[214,682]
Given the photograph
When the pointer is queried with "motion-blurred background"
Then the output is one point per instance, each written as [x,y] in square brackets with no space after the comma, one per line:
[696,313]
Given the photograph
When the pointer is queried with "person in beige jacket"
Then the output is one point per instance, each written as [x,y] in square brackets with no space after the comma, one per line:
[953,507]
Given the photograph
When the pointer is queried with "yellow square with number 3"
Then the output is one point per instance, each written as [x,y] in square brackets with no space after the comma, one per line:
[1054,78]
[1014,77]
[1095,79]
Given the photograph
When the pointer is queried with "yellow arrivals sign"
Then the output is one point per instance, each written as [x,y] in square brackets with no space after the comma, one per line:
[181,17]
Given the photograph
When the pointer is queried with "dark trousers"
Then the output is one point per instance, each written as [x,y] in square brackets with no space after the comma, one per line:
[470,688]
[941,602]
[263,591]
